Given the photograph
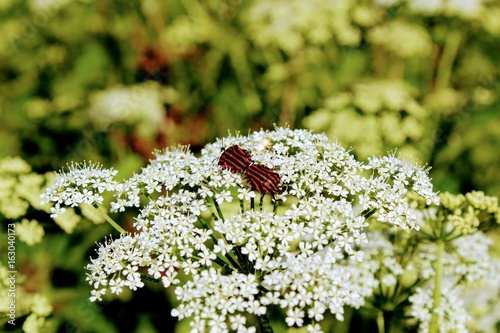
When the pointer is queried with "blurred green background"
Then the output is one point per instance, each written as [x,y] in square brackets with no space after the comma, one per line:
[110,81]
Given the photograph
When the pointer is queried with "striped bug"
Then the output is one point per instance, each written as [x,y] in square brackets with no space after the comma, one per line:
[236,159]
[259,176]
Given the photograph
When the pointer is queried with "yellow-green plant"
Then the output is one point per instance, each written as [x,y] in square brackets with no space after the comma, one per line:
[374,117]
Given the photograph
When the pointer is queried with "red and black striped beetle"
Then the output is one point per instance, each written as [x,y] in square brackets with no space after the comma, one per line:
[259,176]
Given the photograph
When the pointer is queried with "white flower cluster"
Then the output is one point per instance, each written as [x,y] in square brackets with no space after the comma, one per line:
[238,253]
[467,259]
[471,260]
[401,262]
[382,256]
[403,39]
[139,106]
[452,316]
[275,22]
[312,284]
[212,293]
[481,300]
[82,184]
[394,178]
[470,8]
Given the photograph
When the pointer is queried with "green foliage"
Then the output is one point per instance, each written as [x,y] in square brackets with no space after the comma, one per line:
[381,115]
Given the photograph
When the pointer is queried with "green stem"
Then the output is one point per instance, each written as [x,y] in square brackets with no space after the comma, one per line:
[219,261]
[209,205]
[243,266]
[261,202]
[448,56]
[149,278]
[215,240]
[438,281]
[109,219]
[217,207]
[265,324]
[242,207]
[369,212]
[403,296]
[205,225]
[288,111]
[223,264]
[380,322]
[262,289]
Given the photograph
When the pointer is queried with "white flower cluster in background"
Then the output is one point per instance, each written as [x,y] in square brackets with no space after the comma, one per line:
[382,115]
[231,251]
[483,303]
[276,23]
[138,106]
[463,8]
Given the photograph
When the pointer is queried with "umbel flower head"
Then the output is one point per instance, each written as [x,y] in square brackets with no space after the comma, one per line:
[230,251]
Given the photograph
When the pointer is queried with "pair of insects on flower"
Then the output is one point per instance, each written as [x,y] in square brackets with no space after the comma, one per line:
[259,176]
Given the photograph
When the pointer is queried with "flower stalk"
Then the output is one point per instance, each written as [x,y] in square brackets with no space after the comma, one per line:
[115,225]
[438,281]
[265,324]
[447,60]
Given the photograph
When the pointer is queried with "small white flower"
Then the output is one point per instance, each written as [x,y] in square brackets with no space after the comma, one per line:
[206,258]
[294,316]
[245,194]
[222,247]
[96,294]
[224,195]
[314,328]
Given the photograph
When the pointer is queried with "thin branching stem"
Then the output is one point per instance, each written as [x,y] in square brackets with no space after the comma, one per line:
[219,211]
[115,225]
[265,324]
